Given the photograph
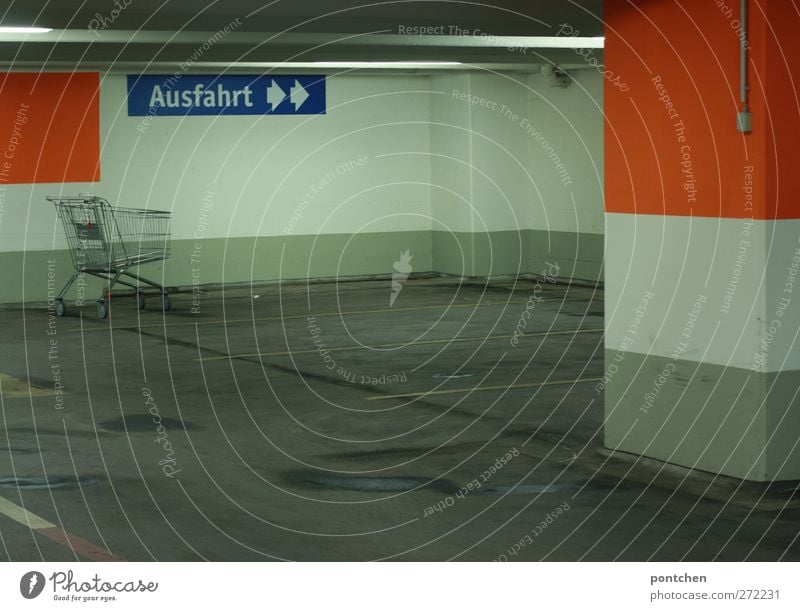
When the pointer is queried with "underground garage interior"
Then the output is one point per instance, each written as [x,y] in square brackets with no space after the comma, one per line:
[410,281]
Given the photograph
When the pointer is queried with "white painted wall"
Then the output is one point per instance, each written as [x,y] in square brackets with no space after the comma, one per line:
[428,160]
[451,154]
[683,261]
[501,176]
[259,169]
[502,127]
[570,120]
[748,276]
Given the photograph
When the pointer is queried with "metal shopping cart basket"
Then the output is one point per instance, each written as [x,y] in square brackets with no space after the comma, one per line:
[107,241]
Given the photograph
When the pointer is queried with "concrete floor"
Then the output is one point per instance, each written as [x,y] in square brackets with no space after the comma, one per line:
[279,456]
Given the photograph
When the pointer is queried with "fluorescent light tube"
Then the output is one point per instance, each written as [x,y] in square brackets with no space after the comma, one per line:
[362,64]
[24,30]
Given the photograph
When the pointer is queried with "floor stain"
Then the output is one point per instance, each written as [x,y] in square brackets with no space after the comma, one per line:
[144,423]
[45,483]
[18,450]
[531,489]
[367,483]
[19,388]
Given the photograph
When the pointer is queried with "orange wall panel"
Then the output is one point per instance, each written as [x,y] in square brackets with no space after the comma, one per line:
[671,143]
[783,105]
[49,127]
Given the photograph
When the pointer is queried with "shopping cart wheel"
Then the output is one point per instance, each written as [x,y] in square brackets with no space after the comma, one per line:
[102,310]
[61,309]
[166,304]
[140,301]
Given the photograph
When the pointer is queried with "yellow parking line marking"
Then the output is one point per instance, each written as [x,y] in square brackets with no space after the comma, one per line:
[396,345]
[17,388]
[75,544]
[337,313]
[23,516]
[454,391]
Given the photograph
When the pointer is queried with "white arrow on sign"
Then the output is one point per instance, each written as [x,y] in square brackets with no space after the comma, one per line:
[298,94]
[275,95]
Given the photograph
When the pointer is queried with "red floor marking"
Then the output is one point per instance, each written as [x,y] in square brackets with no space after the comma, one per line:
[81,546]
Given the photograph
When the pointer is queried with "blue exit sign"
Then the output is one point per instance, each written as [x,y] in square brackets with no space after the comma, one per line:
[193,94]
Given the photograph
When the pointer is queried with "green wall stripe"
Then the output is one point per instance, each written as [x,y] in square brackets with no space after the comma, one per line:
[26,277]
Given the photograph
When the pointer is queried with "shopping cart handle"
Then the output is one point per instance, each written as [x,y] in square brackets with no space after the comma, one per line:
[75,199]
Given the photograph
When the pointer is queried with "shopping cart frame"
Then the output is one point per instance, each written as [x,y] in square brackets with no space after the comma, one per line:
[101,248]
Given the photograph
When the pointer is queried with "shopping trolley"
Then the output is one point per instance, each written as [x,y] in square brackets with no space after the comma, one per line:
[107,241]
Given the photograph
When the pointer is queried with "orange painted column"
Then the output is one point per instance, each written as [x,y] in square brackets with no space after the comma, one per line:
[702,236]
[50,127]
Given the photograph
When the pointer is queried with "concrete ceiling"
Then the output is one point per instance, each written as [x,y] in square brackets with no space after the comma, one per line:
[156,34]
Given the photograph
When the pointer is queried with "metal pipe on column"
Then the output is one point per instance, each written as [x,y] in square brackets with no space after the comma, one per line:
[744,120]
